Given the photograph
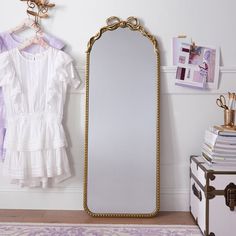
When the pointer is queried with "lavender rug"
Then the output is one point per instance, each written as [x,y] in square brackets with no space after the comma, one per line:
[36,229]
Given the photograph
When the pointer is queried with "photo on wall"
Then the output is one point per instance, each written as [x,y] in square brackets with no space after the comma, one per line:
[197,66]
[176,45]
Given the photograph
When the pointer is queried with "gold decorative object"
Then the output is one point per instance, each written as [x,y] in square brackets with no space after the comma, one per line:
[221,102]
[114,23]
[38,8]
[132,23]
[229,116]
[229,112]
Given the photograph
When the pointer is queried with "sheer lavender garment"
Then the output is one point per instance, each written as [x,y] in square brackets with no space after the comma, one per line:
[9,41]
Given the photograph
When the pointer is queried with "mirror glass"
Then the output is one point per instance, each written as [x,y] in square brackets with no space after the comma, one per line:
[122,126]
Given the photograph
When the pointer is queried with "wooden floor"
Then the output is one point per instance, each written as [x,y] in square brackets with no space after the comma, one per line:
[81,217]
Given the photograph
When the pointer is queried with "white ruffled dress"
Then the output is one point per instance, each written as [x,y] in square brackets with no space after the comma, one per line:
[34,89]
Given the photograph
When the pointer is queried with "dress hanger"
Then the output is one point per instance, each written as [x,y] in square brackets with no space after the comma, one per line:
[27,23]
[38,40]
[42,8]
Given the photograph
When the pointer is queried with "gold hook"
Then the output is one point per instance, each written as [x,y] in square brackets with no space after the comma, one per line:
[31,5]
[42,8]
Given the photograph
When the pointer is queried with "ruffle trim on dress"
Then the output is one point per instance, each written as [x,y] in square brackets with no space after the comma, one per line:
[8,77]
[6,69]
[64,72]
[37,169]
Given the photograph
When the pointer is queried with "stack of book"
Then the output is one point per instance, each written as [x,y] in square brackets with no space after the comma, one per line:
[219,146]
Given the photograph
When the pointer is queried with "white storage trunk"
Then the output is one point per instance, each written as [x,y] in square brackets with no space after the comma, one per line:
[213,197]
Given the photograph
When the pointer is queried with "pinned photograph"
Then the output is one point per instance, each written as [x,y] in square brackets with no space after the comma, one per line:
[198,66]
[176,45]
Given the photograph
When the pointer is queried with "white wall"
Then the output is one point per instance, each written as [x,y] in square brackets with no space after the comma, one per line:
[185,113]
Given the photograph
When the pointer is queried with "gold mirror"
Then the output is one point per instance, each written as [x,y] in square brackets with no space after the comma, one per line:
[122,136]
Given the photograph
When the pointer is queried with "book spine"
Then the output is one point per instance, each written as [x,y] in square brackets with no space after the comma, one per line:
[223,132]
[213,161]
[210,138]
[219,154]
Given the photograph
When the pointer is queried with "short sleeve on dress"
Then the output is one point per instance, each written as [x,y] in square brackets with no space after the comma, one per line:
[66,70]
[7,71]
[54,41]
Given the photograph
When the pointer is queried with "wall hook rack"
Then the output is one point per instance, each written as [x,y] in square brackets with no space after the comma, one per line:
[38,8]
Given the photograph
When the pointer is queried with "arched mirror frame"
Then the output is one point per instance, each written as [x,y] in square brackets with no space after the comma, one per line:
[133,24]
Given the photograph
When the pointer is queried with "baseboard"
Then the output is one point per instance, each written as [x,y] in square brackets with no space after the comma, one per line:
[71,198]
